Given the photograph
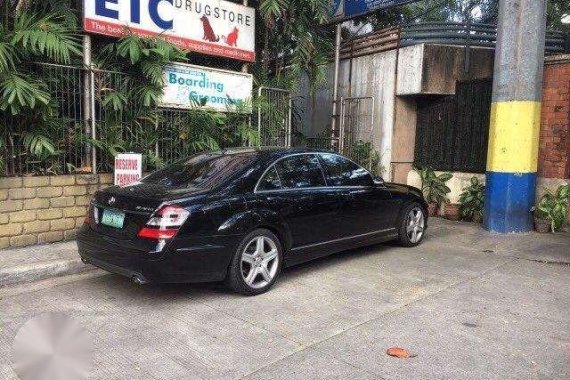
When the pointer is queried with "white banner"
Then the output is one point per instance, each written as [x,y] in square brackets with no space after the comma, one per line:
[128,168]
[214,27]
[189,86]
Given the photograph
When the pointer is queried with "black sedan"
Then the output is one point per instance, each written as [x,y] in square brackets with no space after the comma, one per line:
[241,215]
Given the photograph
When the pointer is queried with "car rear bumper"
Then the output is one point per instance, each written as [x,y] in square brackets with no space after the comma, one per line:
[202,259]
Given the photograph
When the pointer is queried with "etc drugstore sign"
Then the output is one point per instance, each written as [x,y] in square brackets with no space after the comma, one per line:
[212,27]
[128,168]
[189,86]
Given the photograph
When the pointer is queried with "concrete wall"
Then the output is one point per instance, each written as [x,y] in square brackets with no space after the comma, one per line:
[459,182]
[372,75]
[435,69]
[36,210]
[421,70]
[425,70]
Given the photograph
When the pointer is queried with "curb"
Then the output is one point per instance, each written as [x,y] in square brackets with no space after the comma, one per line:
[41,271]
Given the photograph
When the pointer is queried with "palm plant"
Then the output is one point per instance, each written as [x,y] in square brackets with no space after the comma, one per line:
[472,200]
[553,207]
[292,37]
[29,32]
[434,186]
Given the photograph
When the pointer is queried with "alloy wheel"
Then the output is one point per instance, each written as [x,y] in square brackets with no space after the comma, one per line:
[259,262]
[415,225]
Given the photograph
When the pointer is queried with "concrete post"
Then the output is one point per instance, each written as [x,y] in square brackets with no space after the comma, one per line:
[515,116]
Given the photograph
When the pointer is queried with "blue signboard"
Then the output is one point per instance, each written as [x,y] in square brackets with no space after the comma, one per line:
[344,9]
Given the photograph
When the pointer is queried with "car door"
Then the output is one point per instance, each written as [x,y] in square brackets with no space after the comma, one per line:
[295,188]
[366,207]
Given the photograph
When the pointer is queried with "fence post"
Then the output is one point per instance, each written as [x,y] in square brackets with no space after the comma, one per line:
[87,95]
[157,144]
[93,121]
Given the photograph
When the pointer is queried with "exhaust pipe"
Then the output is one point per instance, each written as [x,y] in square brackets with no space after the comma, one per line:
[138,280]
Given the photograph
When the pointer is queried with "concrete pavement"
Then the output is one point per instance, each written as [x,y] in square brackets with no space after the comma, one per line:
[468,304]
[36,263]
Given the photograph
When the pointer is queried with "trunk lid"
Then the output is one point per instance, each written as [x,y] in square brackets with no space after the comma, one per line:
[134,205]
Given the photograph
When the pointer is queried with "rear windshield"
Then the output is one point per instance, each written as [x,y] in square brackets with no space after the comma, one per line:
[206,170]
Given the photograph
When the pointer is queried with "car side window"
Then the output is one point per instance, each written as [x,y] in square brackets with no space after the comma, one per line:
[270,181]
[343,172]
[300,171]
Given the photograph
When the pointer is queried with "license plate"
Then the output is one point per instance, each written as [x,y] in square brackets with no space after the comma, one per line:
[113,218]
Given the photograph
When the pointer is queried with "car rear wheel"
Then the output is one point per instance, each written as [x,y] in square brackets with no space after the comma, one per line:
[256,263]
[412,225]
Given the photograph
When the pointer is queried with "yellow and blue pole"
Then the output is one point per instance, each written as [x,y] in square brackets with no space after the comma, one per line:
[515,116]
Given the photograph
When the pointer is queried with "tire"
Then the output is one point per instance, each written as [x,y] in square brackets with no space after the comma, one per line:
[412,225]
[256,264]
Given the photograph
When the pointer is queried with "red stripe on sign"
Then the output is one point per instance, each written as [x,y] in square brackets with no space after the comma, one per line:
[118,30]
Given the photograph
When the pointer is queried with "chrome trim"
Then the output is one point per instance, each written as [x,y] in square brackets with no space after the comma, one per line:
[346,188]
[255,191]
[342,239]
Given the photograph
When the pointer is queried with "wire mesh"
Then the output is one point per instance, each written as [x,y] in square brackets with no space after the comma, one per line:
[31,144]
[274,117]
[356,132]
[102,119]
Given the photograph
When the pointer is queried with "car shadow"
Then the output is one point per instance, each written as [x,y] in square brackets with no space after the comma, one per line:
[335,259]
[112,282]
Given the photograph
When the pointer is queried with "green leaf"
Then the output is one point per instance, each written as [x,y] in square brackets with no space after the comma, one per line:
[19,92]
[46,36]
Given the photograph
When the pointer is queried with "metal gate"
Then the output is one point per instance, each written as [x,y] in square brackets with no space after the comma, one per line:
[274,117]
[357,132]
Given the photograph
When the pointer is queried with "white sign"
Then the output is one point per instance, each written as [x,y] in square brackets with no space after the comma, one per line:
[128,168]
[189,86]
[214,27]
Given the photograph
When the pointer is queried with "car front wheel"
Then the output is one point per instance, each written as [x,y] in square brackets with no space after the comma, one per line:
[412,225]
[256,263]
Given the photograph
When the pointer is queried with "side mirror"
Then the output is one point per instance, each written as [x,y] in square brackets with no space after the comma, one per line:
[378,181]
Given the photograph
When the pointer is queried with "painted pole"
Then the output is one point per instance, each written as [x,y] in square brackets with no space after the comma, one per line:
[515,116]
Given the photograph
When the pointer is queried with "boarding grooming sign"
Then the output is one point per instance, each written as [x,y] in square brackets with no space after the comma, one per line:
[189,86]
[213,27]
[128,168]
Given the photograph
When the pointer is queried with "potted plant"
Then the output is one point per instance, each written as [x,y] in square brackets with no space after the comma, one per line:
[472,201]
[434,188]
[550,213]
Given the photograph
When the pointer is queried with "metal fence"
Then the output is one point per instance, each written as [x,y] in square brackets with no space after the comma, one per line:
[59,144]
[85,131]
[357,132]
[470,34]
[448,33]
[274,118]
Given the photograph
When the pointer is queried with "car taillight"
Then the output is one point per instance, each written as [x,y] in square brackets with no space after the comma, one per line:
[164,223]
[92,214]
[89,214]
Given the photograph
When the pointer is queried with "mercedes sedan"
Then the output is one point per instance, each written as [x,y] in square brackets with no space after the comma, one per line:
[242,215]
